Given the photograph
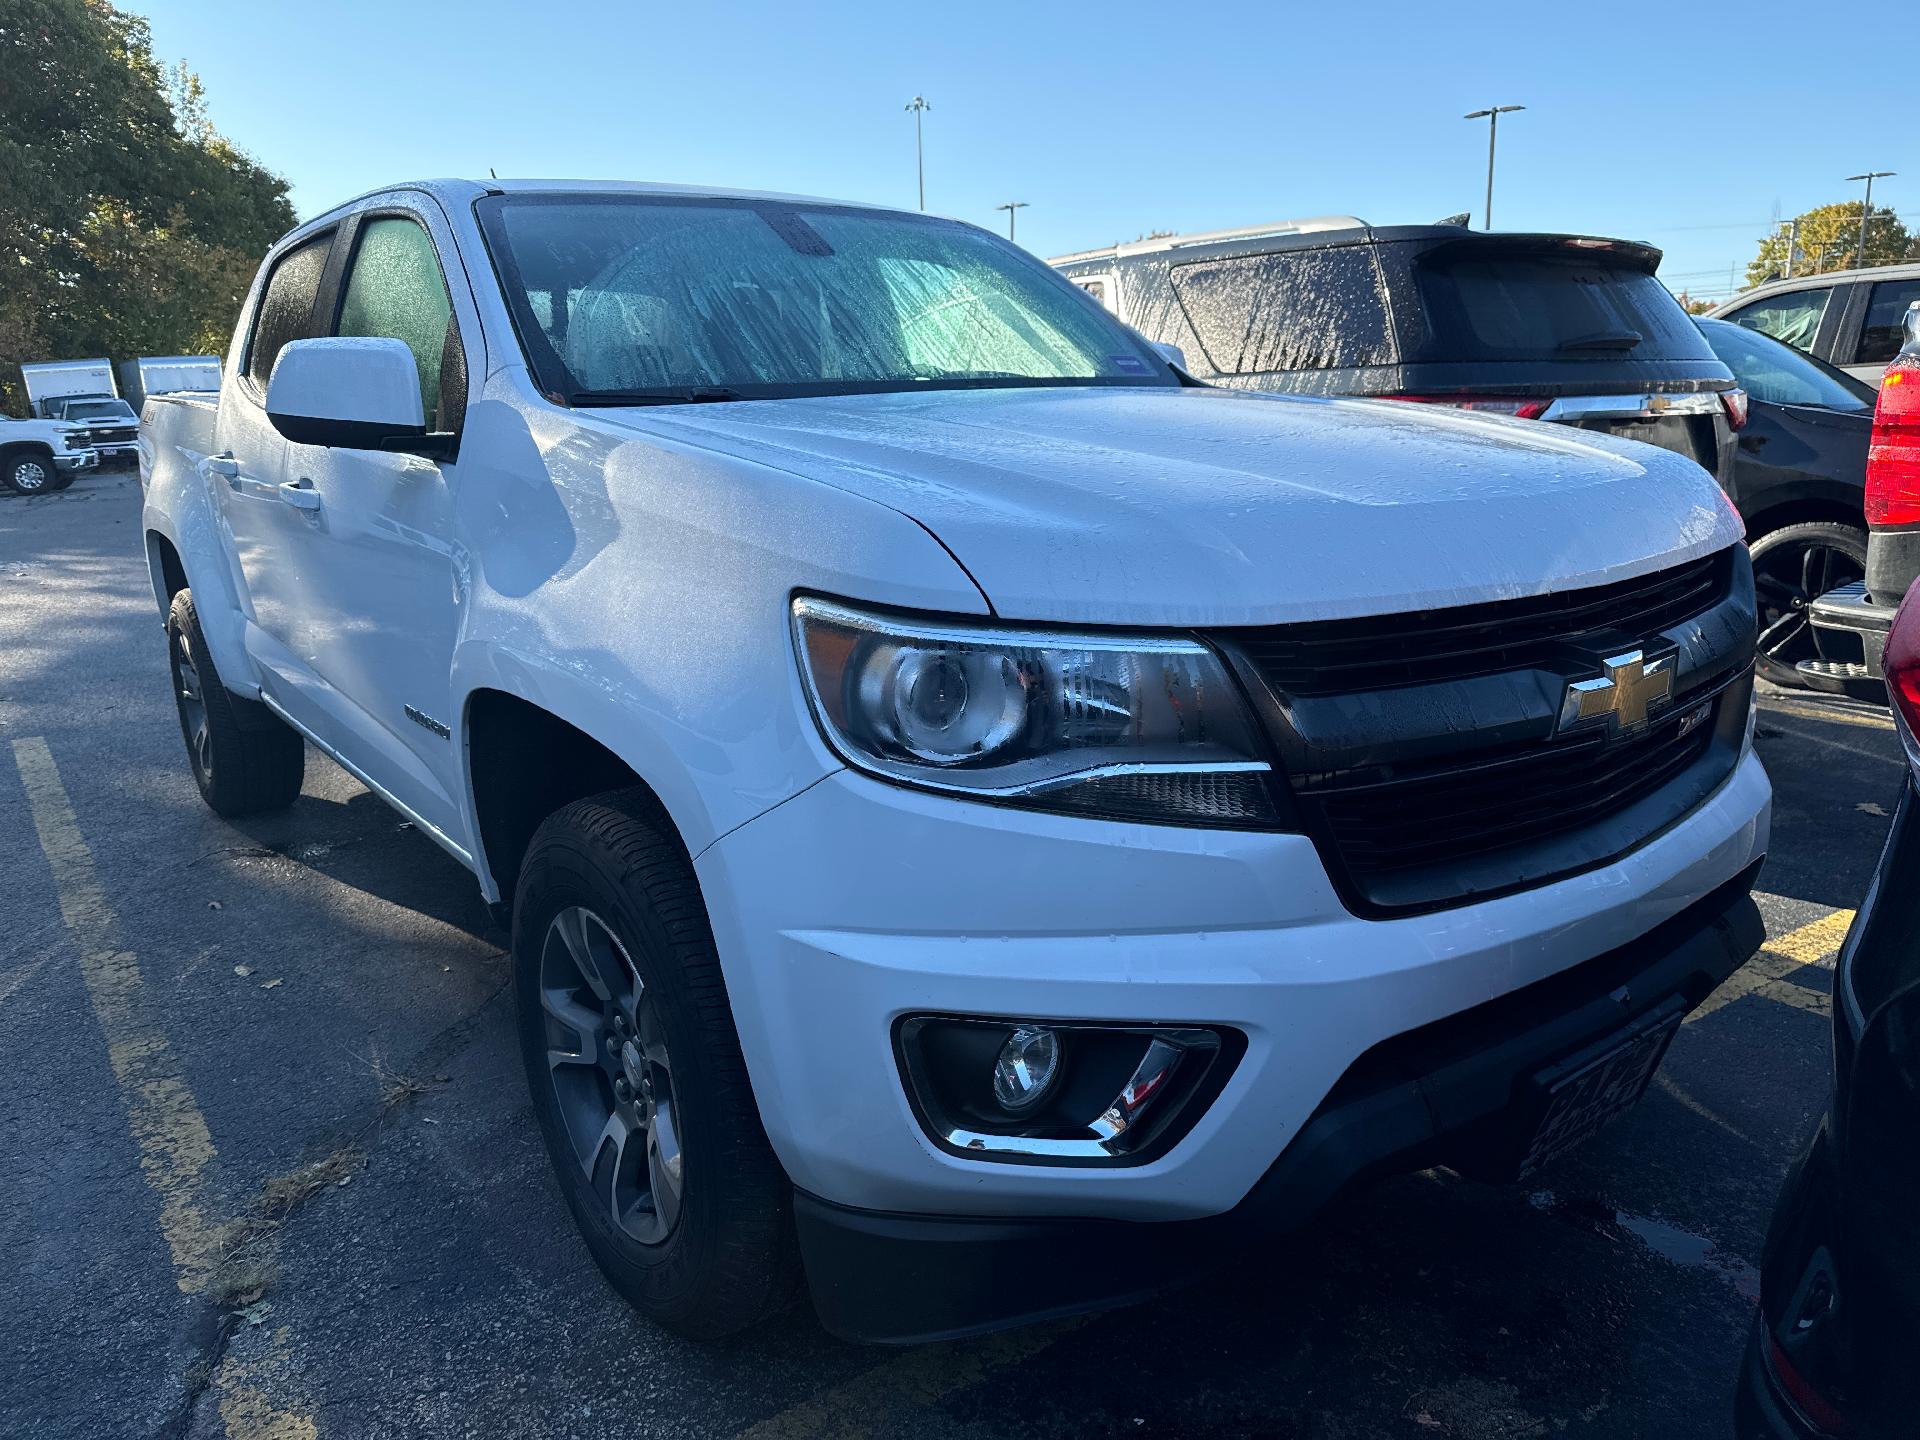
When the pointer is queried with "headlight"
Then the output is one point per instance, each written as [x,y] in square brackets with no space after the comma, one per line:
[1129,726]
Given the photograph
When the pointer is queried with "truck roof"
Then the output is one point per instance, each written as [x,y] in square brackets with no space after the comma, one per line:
[457,192]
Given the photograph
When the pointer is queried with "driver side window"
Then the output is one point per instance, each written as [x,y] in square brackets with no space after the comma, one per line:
[395,290]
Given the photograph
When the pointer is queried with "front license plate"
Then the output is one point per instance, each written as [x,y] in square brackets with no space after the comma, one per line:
[1589,1090]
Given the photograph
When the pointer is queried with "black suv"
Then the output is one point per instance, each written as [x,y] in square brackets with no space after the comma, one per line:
[1547,327]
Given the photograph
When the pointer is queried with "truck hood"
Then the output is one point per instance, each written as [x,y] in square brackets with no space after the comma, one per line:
[1193,506]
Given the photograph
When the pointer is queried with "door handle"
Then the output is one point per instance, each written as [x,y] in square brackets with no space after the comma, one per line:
[224,466]
[301,497]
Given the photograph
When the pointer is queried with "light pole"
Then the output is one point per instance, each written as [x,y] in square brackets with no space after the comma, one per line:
[1492,116]
[1010,207]
[1866,209]
[919,107]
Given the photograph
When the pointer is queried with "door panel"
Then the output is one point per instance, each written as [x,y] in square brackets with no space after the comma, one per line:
[375,600]
[245,469]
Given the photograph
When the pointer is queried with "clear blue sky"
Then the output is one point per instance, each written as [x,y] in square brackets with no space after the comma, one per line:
[1688,126]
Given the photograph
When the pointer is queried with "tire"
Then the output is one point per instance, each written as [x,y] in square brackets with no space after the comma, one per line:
[30,472]
[245,758]
[62,479]
[695,1230]
[1792,567]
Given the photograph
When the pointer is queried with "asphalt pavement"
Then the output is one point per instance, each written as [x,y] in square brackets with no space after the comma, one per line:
[268,1168]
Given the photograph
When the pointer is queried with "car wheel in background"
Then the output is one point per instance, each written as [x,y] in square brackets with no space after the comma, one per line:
[245,758]
[1792,567]
[30,473]
[638,1082]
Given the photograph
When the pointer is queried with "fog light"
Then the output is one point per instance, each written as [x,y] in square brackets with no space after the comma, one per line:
[1026,1068]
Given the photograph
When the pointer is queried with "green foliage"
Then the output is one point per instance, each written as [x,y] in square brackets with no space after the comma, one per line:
[128,224]
[1829,239]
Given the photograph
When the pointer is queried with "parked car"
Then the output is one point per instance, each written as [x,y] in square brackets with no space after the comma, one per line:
[1849,318]
[1831,1352]
[109,428]
[167,374]
[1798,477]
[1566,328]
[40,456]
[1851,620]
[980,816]
[52,384]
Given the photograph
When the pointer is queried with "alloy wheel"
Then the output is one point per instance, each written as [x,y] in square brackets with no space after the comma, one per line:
[608,1064]
[1787,579]
[193,706]
[30,477]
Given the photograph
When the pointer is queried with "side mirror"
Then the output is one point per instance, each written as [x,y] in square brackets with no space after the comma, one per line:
[1172,354]
[354,394]
[1910,324]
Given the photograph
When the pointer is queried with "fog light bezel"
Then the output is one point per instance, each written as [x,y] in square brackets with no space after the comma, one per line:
[1208,1055]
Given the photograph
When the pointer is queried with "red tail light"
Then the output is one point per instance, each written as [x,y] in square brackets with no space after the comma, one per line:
[1893,459]
[1520,407]
[1736,403]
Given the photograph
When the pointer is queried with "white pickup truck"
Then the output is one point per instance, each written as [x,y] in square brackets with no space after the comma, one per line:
[41,456]
[982,817]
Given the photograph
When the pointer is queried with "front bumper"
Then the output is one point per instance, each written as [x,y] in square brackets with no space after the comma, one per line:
[1456,1092]
[77,460]
[856,903]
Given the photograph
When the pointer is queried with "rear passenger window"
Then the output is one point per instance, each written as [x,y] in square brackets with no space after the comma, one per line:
[1880,341]
[396,291]
[1792,318]
[286,310]
[1315,309]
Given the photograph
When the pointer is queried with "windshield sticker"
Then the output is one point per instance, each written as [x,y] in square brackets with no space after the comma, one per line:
[1129,364]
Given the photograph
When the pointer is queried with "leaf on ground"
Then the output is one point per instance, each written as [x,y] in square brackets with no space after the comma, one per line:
[270,984]
[243,971]
[1867,807]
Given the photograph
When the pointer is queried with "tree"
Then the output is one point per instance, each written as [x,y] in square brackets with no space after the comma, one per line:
[128,224]
[1829,239]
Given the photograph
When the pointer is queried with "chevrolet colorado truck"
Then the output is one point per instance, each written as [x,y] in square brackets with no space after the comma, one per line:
[41,456]
[985,821]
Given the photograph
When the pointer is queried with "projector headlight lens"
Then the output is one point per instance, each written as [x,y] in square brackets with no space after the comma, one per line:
[1126,726]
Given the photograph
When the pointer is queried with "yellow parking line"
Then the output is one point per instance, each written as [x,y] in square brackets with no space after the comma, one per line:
[176,1148]
[881,1400]
[1767,973]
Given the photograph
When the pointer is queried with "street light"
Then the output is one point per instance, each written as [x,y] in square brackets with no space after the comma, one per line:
[919,107]
[1010,207]
[1866,209]
[1492,116]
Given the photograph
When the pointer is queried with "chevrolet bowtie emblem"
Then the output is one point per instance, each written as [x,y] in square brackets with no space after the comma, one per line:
[1630,688]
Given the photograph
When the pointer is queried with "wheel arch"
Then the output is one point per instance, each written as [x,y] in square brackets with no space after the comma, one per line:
[1836,504]
[524,761]
[165,569]
[17,448]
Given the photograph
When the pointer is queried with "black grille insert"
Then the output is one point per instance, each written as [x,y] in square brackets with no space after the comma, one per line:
[1477,807]
[1342,657]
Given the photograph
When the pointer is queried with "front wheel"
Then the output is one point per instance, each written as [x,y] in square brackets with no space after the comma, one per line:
[30,473]
[638,1082]
[1792,567]
[245,758]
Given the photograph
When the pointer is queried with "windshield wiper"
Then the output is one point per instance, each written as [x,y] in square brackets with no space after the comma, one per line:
[1604,340]
[686,395]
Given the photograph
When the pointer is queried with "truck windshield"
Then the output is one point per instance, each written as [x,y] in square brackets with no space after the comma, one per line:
[99,410]
[645,299]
